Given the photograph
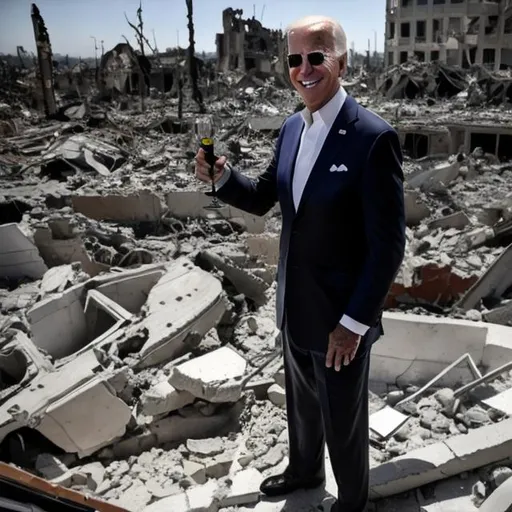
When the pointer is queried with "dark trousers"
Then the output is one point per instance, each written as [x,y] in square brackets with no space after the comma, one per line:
[325,406]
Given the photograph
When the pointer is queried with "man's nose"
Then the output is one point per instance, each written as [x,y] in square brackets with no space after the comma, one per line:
[305,68]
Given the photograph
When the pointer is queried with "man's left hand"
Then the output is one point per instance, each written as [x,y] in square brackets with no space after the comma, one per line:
[343,345]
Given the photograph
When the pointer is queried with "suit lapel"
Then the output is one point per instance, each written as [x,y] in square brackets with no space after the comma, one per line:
[287,161]
[337,140]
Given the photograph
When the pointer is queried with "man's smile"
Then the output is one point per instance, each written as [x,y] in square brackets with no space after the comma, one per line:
[309,84]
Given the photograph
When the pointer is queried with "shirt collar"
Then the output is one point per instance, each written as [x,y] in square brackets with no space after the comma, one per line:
[328,113]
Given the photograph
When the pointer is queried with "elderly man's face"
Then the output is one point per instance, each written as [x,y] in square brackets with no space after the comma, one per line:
[316,77]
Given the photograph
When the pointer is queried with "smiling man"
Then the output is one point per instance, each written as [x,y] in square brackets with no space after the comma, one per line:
[337,174]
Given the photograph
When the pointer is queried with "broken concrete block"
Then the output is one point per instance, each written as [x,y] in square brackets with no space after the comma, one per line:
[181,308]
[91,475]
[141,207]
[465,452]
[414,361]
[457,220]
[200,498]
[251,286]
[195,470]
[215,377]
[192,204]
[493,283]
[134,498]
[19,257]
[277,395]
[66,395]
[206,447]
[241,489]
[64,251]
[176,428]
[49,466]
[163,398]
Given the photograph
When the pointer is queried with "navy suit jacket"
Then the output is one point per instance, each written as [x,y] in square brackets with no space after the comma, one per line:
[340,251]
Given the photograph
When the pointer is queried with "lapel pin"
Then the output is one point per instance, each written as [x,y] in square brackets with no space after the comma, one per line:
[342,132]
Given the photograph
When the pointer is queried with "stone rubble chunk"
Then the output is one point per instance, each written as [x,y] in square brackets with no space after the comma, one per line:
[134,498]
[207,447]
[194,470]
[277,395]
[200,498]
[500,475]
[49,466]
[163,398]
[241,489]
[215,377]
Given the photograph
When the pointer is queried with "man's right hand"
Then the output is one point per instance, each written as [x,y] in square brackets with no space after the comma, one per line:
[203,169]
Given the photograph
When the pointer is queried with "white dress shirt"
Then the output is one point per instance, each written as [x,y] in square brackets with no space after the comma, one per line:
[317,127]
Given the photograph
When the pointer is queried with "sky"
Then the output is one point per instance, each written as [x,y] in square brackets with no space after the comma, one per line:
[72,24]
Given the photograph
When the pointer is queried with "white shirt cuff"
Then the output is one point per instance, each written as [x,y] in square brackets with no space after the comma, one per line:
[354,325]
[225,176]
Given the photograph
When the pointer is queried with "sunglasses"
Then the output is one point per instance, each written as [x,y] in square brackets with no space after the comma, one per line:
[314,58]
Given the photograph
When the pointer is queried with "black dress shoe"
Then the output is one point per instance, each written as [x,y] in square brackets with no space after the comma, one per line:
[285,483]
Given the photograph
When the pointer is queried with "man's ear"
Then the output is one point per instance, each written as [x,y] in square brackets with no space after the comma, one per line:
[343,64]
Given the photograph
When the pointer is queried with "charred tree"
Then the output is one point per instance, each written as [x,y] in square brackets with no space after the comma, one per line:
[45,60]
[192,62]
[143,64]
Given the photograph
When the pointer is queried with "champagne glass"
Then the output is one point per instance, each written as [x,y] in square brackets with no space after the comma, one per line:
[204,131]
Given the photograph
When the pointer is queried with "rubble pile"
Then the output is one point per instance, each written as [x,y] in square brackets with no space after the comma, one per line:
[435,79]
[139,360]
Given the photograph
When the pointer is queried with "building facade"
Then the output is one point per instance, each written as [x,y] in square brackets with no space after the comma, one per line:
[455,32]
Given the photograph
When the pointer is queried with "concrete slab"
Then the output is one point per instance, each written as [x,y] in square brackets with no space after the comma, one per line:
[58,404]
[482,446]
[417,468]
[465,452]
[185,300]
[215,377]
[19,257]
[417,348]
[144,206]
[163,398]
[243,488]
[191,204]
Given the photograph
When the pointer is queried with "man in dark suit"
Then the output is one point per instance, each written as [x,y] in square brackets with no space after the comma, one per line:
[337,174]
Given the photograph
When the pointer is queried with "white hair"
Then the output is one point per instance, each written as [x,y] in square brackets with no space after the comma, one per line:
[325,23]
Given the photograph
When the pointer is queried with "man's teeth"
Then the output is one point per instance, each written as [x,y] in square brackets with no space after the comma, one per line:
[310,84]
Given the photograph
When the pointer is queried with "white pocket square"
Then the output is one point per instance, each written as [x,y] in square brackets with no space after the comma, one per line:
[339,168]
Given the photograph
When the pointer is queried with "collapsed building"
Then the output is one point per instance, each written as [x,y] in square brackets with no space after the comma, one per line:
[245,44]
[455,32]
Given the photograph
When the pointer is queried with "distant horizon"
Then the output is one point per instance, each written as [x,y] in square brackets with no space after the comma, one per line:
[73,24]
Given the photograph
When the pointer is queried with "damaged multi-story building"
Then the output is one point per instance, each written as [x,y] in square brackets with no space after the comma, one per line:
[455,32]
[246,44]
